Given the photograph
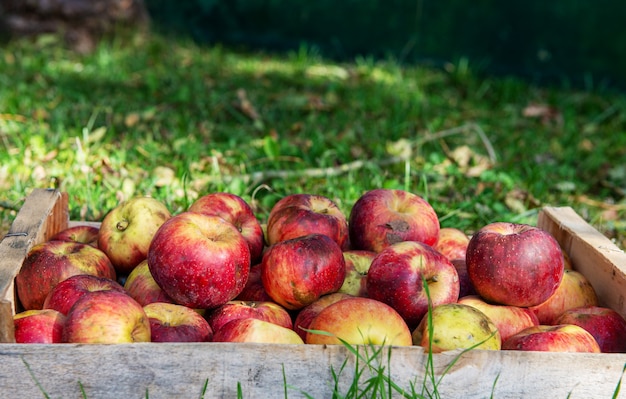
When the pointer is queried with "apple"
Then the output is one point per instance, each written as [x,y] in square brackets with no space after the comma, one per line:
[51,262]
[306,315]
[106,317]
[257,331]
[200,261]
[508,319]
[296,272]
[573,291]
[556,338]
[298,215]
[170,322]
[38,326]
[127,230]
[382,217]
[398,273]
[452,243]
[465,285]
[254,290]
[357,265]
[65,293]
[142,287]
[237,211]
[86,234]
[266,311]
[359,321]
[514,264]
[606,325]
[456,326]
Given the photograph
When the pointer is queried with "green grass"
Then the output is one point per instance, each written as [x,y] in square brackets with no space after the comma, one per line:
[173,119]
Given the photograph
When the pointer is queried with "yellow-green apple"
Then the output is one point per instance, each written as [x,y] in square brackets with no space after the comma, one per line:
[106,317]
[382,217]
[86,234]
[65,293]
[307,314]
[170,322]
[556,338]
[200,261]
[398,273]
[142,287]
[51,262]
[38,326]
[254,290]
[508,319]
[456,326]
[573,291]
[257,331]
[514,264]
[266,311]
[358,321]
[237,211]
[606,325]
[298,215]
[452,243]
[357,265]
[297,271]
[126,231]
[465,285]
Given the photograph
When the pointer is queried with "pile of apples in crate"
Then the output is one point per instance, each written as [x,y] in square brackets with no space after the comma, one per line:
[311,275]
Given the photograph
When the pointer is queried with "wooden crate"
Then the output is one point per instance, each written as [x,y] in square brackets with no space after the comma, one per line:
[262,371]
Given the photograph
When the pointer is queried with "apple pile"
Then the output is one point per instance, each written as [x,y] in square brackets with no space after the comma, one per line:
[386,274]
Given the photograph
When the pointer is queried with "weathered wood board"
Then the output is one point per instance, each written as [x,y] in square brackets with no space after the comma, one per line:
[266,371]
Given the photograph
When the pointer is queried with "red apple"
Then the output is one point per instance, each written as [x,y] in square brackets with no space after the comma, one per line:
[514,264]
[606,325]
[200,261]
[466,288]
[64,294]
[266,311]
[359,321]
[51,262]
[257,331]
[38,326]
[573,291]
[357,265]
[254,290]
[106,317]
[170,322]
[508,319]
[142,287]
[306,315]
[86,234]
[237,211]
[452,243]
[397,275]
[382,217]
[298,215]
[127,230]
[298,271]
[556,338]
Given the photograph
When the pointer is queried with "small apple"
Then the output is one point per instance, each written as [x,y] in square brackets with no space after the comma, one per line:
[508,319]
[457,326]
[86,234]
[556,338]
[266,311]
[452,243]
[65,293]
[357,265]
[254,290]
[382,217]
[465,285]
[38,326]
[359,321]
[573,291]
[298,215]
[142,287]
[51,262]
[398,273]
[306,315]
[257,331]
[200,261]
[106,317]
[606,325]
[237,211]
[514,264]
[170,322]
[126,231]
[296,272]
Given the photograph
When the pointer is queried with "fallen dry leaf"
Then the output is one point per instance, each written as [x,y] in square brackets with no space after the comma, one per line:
[546,113]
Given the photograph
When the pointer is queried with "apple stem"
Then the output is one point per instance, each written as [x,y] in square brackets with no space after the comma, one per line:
[122,225]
